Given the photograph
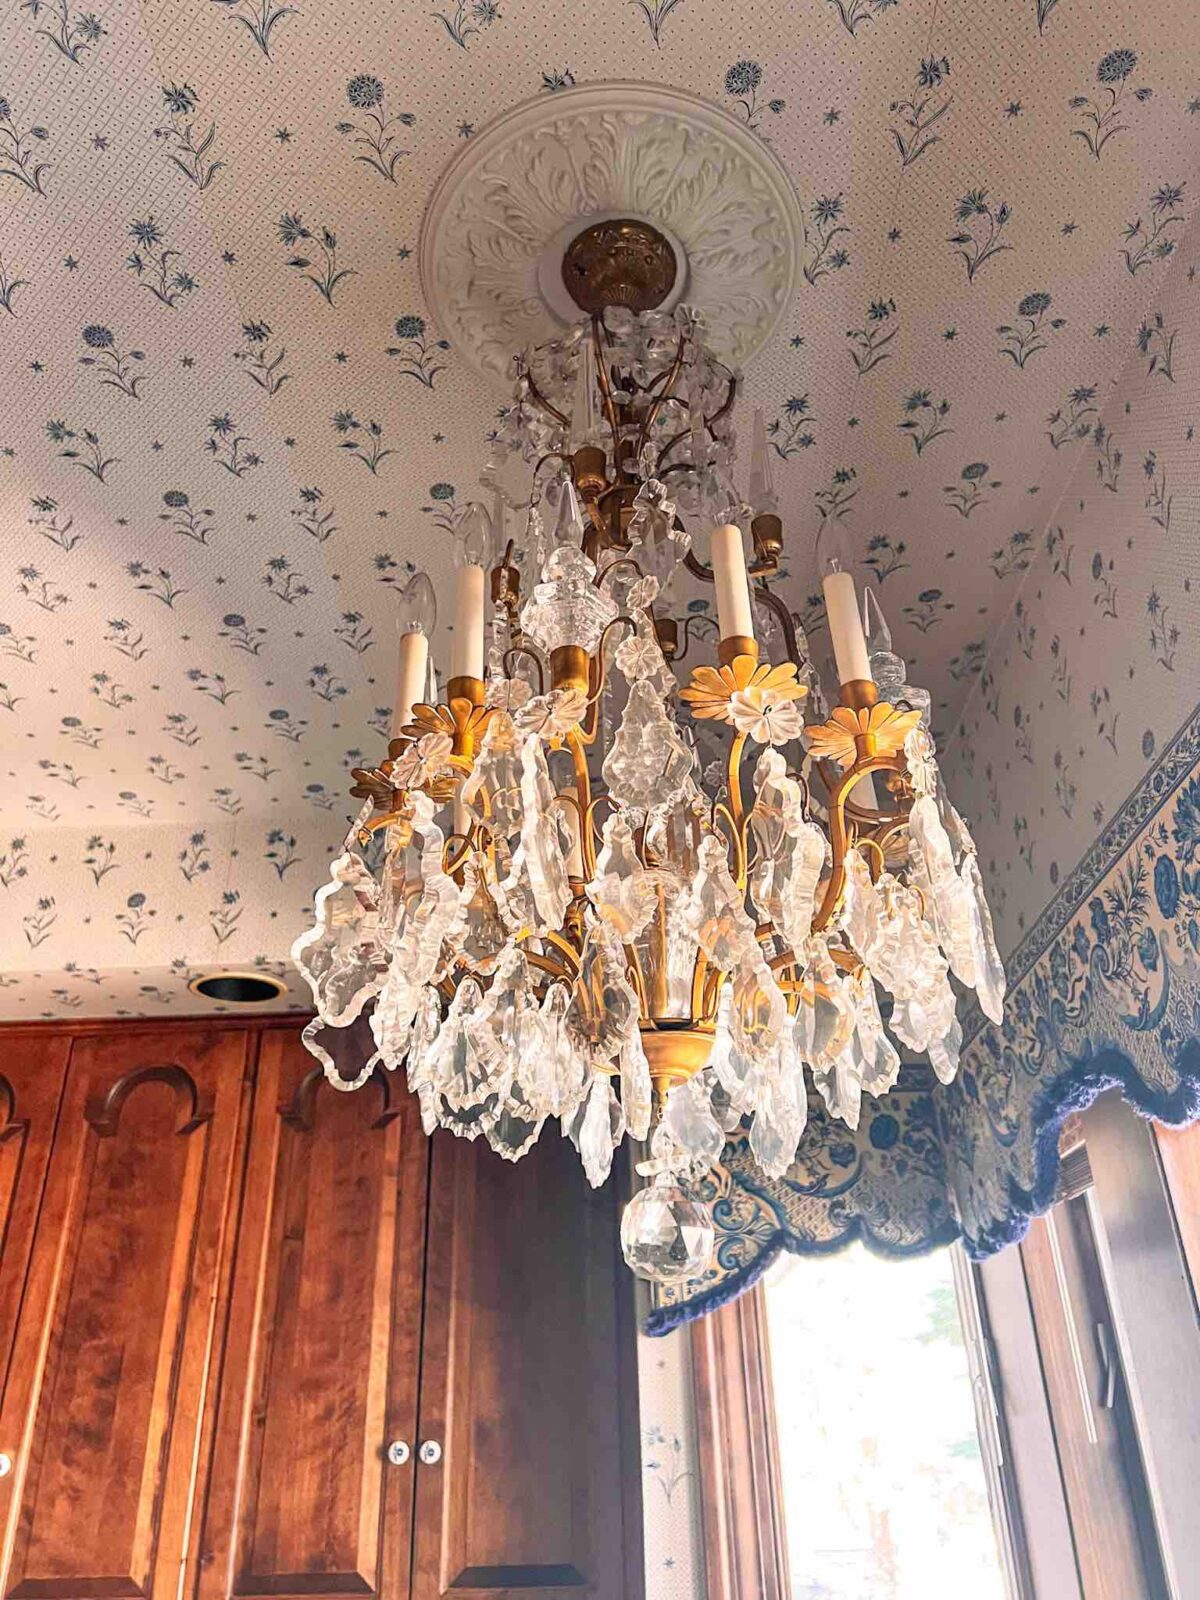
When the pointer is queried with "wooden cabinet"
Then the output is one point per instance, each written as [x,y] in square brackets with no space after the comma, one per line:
[522,1384]
[226,1288]
[115,1335]
[322,1355]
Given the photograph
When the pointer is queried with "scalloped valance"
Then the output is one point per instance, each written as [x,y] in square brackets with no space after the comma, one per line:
[1104,992]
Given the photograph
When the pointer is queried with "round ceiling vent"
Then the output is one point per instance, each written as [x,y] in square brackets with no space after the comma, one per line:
[238,988]
[532,185]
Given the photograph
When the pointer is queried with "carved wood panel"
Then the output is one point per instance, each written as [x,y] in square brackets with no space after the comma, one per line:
[322,1353]
[31,1082]
[124,1274]
[523,1385]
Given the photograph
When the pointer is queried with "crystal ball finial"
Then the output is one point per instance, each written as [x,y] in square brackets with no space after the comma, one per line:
[666,1235]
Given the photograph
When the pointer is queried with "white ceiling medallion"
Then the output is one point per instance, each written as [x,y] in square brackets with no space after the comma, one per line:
[520,190]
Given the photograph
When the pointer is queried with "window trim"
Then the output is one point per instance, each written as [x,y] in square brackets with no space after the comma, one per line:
[741,1500]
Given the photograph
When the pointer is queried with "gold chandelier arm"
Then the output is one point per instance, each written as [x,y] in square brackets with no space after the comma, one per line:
[722,813]
[583,795]
[783,616]
[668,389]
[525,650]
[610,409]
[734,773]
[838,838]
[539,399]
[686,633]
[601,663]
[697,568]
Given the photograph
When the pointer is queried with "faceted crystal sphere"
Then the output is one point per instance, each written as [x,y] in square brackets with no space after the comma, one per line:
[666,1236]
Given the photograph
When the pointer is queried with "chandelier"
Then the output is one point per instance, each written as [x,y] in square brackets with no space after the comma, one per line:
[594,882]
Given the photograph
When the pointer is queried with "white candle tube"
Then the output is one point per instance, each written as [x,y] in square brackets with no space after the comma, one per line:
[466,642]
[734,612]
[569,812]
[411,671]
[462,817]
[845,627]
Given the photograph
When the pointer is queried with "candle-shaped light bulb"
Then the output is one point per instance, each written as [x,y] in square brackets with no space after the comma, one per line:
[416,605]
[474,536]
[762,479]
[735,615]
[416,613]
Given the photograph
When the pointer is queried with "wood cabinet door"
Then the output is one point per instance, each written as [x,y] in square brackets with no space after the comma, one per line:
[31,1082]
[525,1384]
[115,1339]
[320,1367]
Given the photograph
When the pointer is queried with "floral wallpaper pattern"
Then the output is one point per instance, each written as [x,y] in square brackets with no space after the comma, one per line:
[232,425]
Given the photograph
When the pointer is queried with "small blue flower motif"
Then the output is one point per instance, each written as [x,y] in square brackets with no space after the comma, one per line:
[1186,829]
[743,78]
[1101,926]
[232,619]
[1033,304]
[1147,949]
[1166,886]
[442,491]
[97,337]
[136,901]
[1148,744]
[1116,66]
[410,327]
[843,1153]
[175,498]
[278,715]
[364,91]
[1060,971]
[975,471]
[884,1131]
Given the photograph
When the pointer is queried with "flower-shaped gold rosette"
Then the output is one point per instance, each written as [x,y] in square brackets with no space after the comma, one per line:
[712,688]
[462,719]
[849,735]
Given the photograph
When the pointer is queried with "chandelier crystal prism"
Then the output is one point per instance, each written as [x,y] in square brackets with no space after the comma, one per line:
[596,883]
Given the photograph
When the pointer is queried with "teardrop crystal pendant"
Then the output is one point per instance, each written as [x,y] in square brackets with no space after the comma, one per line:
[666,1236]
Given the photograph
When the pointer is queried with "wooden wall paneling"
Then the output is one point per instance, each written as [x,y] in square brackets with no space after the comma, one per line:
[31,1082]
[126,1264]
[741,1498]
[321,1361]
[521,1384]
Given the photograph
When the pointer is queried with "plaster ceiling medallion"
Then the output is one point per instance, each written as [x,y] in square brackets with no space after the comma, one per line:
[514,202]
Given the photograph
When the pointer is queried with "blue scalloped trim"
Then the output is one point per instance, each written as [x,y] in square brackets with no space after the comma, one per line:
[1074,1089]
[1101,1068]
[667,1318]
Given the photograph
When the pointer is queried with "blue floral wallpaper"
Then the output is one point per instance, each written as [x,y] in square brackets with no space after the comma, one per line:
[231,425]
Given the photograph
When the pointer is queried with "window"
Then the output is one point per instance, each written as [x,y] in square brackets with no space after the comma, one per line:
[926,1430]
[882,1475]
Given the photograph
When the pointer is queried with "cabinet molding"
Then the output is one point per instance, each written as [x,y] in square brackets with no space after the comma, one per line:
[125,1266]
[321,1358]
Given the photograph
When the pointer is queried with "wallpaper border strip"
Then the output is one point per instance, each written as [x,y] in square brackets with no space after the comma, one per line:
[1148,796]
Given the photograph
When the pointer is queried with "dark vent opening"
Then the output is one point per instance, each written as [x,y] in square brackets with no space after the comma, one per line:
[237,988]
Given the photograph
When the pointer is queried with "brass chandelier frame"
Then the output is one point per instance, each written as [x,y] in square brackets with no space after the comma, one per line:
[863,735]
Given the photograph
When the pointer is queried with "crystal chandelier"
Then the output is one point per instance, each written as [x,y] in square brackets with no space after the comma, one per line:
[587,884]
